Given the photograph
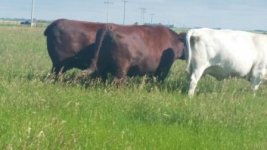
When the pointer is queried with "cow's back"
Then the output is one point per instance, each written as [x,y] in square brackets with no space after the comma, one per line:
[147,41]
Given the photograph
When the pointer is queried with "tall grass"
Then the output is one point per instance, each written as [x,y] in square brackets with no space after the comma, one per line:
[38,113]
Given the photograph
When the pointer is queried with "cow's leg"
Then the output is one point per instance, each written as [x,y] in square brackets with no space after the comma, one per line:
[53,73]
[255,83]
[166,62]
[256,79]
[120,76]
[194,78]
[121,72]
[162,73]
[53,69]
[56,69]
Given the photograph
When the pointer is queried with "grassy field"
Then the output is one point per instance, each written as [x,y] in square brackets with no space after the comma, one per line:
[38,113]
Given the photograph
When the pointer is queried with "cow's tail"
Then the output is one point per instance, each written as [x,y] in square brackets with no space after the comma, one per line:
[189,51]
[100,36]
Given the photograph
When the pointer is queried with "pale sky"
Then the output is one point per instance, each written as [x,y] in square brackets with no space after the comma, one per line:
[231,14]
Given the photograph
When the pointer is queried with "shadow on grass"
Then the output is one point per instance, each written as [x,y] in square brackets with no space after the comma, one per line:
[141,82]
[175,83]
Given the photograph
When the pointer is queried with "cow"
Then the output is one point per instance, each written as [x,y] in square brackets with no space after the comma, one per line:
[226,53]
[70,43]
[136,50]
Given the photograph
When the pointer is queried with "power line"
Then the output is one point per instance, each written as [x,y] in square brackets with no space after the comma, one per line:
[143,11]
[151,18]
[107,2]
[124,6]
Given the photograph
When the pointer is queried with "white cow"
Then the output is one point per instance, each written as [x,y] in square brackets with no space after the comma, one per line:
[224,53]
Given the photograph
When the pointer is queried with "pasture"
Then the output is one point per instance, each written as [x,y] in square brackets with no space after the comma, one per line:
[38,113]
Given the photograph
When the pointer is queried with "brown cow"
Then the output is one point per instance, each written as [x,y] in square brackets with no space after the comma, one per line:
[136,50]
[70,43]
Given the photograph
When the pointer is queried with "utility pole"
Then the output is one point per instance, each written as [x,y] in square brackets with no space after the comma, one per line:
[151,18]
[32,13]
[124,6]
[107,2]
[143,11]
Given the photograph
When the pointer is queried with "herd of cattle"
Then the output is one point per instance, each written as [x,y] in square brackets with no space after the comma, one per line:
[130,50]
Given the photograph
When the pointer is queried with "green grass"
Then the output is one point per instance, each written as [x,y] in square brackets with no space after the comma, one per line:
[38,113]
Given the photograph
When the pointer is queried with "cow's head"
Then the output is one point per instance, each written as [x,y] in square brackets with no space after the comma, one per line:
[182,40]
